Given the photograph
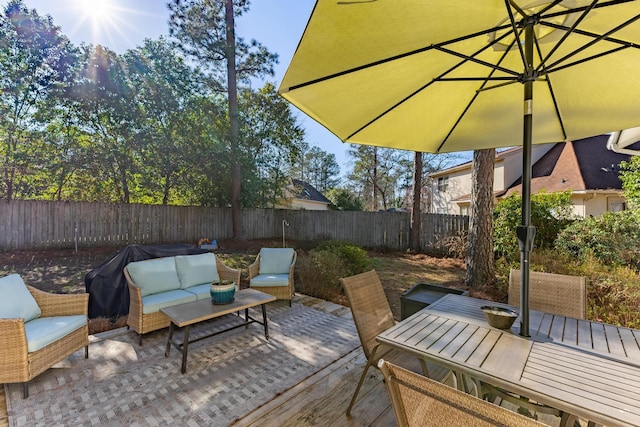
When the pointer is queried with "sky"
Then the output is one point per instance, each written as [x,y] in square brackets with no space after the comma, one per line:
[123,24]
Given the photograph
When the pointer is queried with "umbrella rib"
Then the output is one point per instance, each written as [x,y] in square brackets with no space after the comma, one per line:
[597,38]
[583,60]
[552,5]
[512,20]
[553,95]
[484,89]
[528,67]
[477,61]
[582,8]
[396,57]
[439,78]
[472,100]
[482,79]
[567,34]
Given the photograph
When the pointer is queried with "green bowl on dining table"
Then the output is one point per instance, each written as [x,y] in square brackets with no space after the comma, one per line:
[499,317]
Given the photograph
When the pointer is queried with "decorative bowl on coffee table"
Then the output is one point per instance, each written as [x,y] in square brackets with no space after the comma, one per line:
[223,292]
[499,317]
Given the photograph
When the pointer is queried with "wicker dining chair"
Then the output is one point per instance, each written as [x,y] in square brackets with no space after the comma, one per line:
[552,293]
[419,401]
[372,316]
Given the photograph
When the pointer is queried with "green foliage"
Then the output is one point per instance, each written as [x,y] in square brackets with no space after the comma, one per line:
[379,175]
[611,238]
[271,142]
[199,27]
[356,257]
[630,177]
[343,200]
[152,125]
[321,270]
[317,167]
[35,63]
[550,214]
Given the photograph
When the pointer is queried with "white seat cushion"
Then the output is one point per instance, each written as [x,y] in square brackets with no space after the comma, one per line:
[154,302]
[16,302]
[46,330]
[270,280]
[200,291]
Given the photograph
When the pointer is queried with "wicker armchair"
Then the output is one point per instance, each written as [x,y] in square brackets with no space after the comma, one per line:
[272,272]
[17,363]
[372,316]
[552,293]
[421,402]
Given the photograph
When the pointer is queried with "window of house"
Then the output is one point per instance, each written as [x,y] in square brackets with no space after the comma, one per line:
[464,210]
[443,184]
[617,206]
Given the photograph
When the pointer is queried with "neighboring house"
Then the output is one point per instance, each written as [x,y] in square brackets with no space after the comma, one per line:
[585,167]
[302,195]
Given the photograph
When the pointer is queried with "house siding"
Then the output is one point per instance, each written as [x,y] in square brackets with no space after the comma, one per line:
[564,167]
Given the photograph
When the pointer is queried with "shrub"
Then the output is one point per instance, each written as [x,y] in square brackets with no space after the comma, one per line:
[320,271]
[613,292]
[630,177]
[550,214]
[355,257]
[611,238]
[452,245]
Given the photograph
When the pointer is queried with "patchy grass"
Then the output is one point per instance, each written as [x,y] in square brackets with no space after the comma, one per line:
[400,271]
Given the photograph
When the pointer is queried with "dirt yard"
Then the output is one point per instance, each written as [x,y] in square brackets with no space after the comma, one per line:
[63,270]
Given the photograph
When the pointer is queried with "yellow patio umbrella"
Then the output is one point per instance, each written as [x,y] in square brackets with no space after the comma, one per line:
[457,75]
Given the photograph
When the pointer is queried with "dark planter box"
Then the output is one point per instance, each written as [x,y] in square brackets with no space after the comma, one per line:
[423,294]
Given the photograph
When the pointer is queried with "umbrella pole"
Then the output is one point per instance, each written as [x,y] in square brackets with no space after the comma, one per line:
[526,232]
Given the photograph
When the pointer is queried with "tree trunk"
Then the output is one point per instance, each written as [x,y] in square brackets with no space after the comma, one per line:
[374,200]
[122,171]
[414,238]
[480,260]
[232,92]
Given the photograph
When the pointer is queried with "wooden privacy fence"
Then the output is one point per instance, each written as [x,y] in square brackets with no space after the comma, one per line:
[28,224]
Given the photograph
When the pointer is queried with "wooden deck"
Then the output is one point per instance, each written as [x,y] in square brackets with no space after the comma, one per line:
[322,398]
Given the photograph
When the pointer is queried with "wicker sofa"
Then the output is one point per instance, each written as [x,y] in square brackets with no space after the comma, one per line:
[163,282]
[38,329]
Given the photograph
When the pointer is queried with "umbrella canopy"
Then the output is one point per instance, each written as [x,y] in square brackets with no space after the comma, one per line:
[456,75]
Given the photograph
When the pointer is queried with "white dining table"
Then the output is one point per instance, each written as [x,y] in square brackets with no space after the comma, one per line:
[586,368]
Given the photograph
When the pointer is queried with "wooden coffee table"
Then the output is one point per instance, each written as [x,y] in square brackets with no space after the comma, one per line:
[191,313]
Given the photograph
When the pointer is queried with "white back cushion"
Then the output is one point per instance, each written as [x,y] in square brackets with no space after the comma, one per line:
[275,260]
[16,302]
[196,269]
[155,275]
